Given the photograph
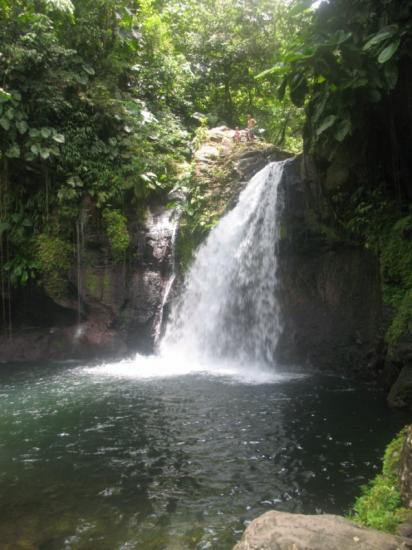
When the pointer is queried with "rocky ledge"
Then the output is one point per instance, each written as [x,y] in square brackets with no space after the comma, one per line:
[283,531]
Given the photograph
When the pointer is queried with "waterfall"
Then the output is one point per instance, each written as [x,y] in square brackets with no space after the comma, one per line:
[227,322]
[229,310]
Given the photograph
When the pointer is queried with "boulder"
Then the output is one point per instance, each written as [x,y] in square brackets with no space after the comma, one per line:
[283,531]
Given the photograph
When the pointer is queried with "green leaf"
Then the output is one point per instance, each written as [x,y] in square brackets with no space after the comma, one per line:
[59,138]
[343,129]
[13,152]
[326,123]
[4,96]
[45,153]
[5,123]
[389,51]
[60,5]
[280,68]
[88,69]
[391,74]
[45,132]
[82,78]
[16,95]
[33,132]
[383,34]
[34,149]
[22,126]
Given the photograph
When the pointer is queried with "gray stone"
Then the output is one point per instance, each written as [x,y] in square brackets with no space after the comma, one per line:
[283,531]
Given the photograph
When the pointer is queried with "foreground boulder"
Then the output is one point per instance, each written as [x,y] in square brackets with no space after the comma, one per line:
[283,531]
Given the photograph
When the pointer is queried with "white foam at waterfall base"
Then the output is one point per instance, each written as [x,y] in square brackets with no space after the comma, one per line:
[227,323]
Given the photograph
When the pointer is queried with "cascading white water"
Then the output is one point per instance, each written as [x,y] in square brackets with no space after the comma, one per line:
[228,321]
[229,309]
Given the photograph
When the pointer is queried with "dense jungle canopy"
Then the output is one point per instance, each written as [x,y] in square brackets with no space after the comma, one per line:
[100,101]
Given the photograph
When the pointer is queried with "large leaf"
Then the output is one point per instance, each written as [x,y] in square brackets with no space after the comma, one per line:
[22,126]
[4,96]
[326,123]
[389,51]
[280,68]
[13,152]
[89,69]
[380,36]
[5,123]
[59,138]
[343,129]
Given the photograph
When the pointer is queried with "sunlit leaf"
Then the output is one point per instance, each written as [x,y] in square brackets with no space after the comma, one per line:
[4,96]
[60,5]
[59,138]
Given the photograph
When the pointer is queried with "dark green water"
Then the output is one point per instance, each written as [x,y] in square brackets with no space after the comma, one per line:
[101,462]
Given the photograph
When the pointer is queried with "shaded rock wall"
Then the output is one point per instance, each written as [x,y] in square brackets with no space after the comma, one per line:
[330,292]
[111,307]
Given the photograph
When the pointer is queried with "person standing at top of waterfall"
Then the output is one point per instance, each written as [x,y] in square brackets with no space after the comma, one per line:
[251,124]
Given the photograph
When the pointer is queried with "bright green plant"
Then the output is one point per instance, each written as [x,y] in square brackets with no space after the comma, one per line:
[54,257]
[342,62]
[380,505]
[116,229]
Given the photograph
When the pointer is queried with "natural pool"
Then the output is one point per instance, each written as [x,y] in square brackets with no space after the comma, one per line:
[93,458]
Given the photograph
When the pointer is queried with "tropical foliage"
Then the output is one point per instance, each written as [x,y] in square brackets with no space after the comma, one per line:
[100,100]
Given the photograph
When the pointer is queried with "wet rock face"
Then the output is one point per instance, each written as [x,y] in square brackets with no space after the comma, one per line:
[330,293]
[283,531]
[119,301]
